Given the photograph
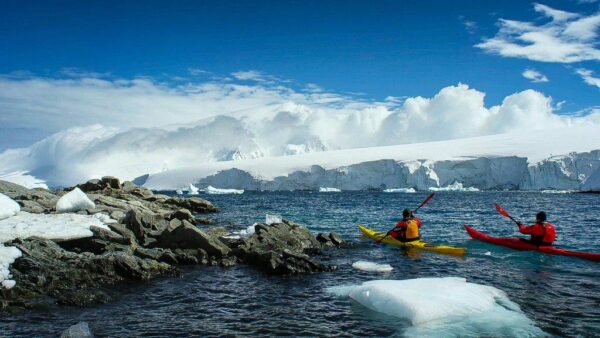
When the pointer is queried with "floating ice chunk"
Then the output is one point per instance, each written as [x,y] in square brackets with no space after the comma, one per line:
[217,191]
[179,192]
[456,186]
[329,190]
[402,190]
[558,191]
[272,219]
[371,267]
[488,253]
[51,226]
[8,207]
[73,201]
[193,190]
[443,307]
[23,179]
[8,254]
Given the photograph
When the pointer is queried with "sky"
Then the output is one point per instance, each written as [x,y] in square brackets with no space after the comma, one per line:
[75,63]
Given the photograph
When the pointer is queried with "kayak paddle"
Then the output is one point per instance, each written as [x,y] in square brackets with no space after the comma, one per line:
[414,211]
[506,214]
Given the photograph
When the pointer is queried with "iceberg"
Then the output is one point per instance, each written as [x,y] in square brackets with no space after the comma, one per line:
[329,190]
[558,191]
[73,201]
[452,307]
[592,183]
[456,186]
[8,207]
[401,190]
[371,266]
[192,189]
[216,191]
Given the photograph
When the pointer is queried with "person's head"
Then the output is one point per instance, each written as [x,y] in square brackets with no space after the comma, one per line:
[406,213]
[540,217]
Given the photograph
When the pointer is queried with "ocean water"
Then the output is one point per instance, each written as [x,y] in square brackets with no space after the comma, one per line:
[560,294]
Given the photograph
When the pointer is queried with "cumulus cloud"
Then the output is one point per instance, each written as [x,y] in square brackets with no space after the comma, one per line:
[566,38]
[588,77]
[534,75]
[137,126]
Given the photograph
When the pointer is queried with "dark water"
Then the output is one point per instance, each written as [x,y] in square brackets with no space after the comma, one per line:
[560,294]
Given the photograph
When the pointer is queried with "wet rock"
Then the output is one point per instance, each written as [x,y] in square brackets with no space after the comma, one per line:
[330,240]
[188,236]
[79,330]
[218,231]
[281,248]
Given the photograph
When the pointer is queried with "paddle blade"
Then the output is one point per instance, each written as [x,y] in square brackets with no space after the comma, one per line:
[425,201]
[502,211]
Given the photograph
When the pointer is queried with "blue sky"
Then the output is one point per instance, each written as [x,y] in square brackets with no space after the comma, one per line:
[378,48]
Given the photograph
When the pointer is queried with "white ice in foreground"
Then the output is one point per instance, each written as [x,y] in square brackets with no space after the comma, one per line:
[449,307]
[371,266]
[329,190]
[23,179]
[73,201]
[216,191]
[456,186]
[8,207]
[8,254]
[51,226]
[193,190]
[401,190]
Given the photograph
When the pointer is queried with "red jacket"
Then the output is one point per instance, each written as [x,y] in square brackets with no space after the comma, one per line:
[402,223]
[540,232]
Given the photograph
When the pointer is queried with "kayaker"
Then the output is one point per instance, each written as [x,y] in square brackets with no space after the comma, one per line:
[407,230]
[542,232]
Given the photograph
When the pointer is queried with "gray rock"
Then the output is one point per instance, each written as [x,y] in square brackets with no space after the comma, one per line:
[183,215]
[79,330]
[128,186]
[111,182]
[32,207]
[193,204]
[188,236]
[12,190]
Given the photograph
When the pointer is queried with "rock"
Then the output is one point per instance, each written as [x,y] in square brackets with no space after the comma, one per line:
[330,240]
[281,248]
[142,224]
[48,270]
[31,207]
[205,221]
[188,236]
[182,215]
[83,297]
[128,186]
[79,330]
[91,185]
[193,204]
[12,190]
[42,197]
[111,182]
[157,254]
[218,231]
[123,231]
[117,215]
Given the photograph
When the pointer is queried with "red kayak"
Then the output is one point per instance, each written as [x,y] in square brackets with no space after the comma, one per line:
[516,243]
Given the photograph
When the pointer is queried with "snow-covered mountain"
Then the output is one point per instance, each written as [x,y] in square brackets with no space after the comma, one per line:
[547,159]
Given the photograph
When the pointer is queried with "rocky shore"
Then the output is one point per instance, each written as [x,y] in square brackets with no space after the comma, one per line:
[148,235]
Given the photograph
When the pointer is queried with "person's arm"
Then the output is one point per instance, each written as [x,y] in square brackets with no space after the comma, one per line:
[535,229]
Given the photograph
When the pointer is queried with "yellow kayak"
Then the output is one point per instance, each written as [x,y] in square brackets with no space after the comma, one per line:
[443,249]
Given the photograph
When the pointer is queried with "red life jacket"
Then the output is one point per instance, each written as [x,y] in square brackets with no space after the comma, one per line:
[549,233]
[541,233]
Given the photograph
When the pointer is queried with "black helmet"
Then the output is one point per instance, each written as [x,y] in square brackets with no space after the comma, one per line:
[406,213]
[540,216]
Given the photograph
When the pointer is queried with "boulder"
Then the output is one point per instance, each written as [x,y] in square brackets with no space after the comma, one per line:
[188,236]
[12,190]
[193,204]
[182,215]
[111,182]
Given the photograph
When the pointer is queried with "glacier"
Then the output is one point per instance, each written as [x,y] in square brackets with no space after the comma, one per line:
[511,161]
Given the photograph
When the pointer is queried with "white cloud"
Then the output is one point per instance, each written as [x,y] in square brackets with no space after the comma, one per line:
[534,76]
[588,77]
[470,26]
[148,126]
[567,38]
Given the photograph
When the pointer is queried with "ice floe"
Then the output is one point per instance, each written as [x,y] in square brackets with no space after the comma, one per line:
[401,190]
[329,189]
[8,207]
[371,266]
[217,191]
